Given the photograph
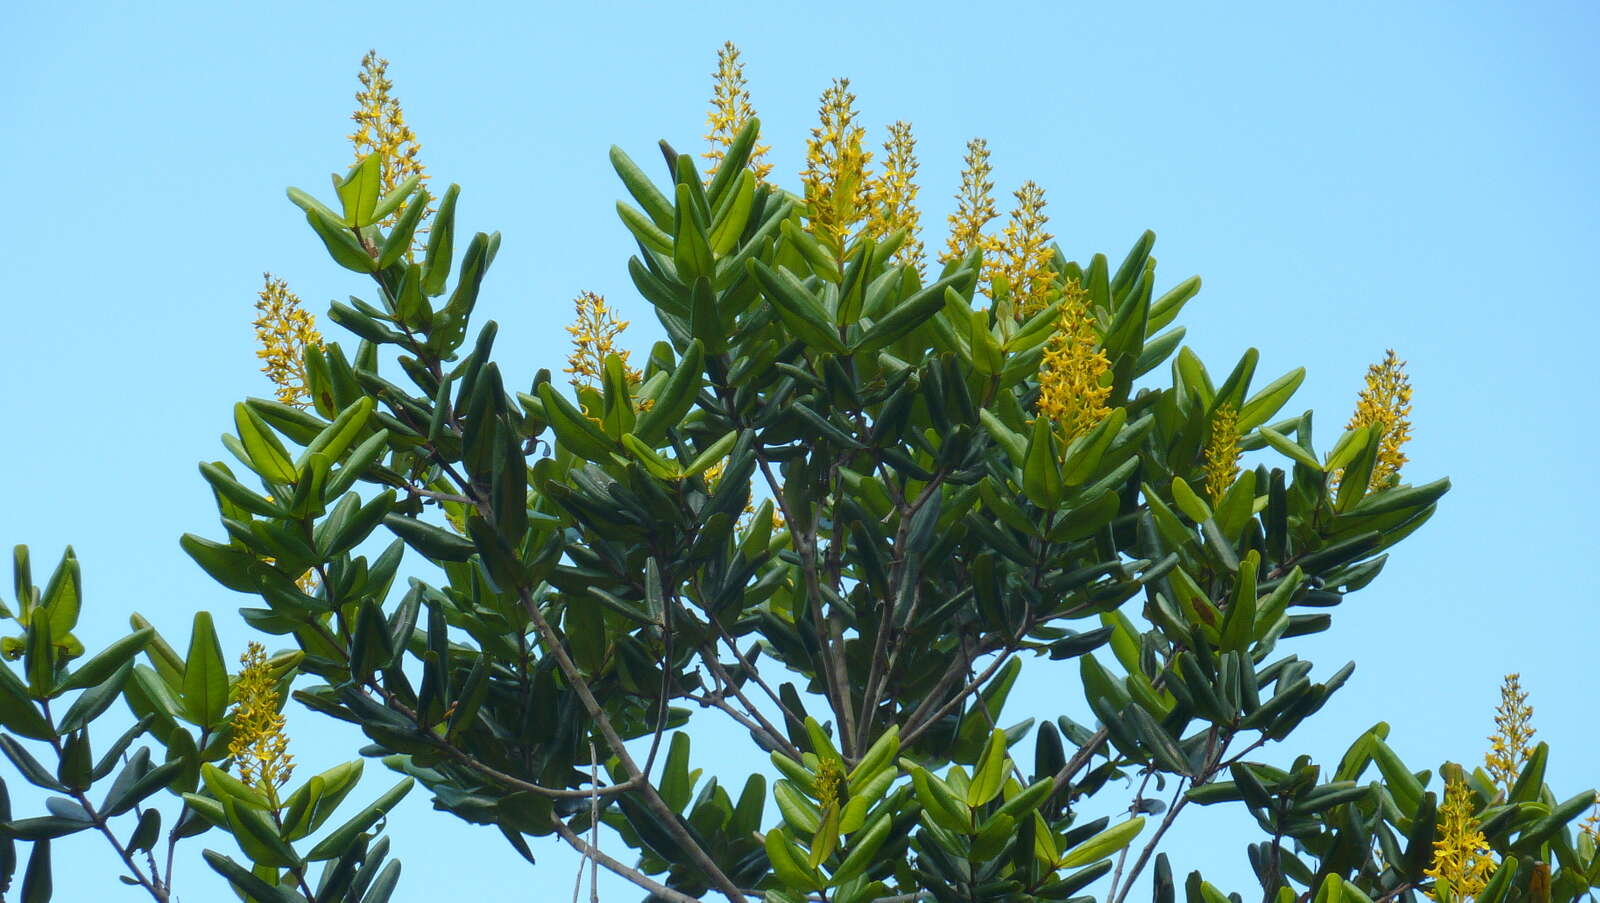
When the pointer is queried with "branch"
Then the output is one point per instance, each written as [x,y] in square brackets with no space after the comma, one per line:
[617,868]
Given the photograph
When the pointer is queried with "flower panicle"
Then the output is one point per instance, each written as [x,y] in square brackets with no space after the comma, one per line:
[1023,255]
[895,195]
[1462,860]
[284,330]
[836,179]
[1074,383]
[594,333]
[1510,746]
[1222,452]
[260,748]
[730,111]
[381,129]
[1385,403]
[974,204]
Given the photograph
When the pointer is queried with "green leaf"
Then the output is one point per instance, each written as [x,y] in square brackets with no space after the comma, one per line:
[63,595]
[342,244]
[676,784]
[713,453]
[574,431]
[677,396]
[1267,402]
[343,837]
[18,712]
[658,467]
[257,837]
[989,774]
[434,542]
[638,184]
[436,264]
[906,316]
[787,860]
[391,202]
[1103,844]
[107,662]
[36,886]
[359,193]
[205,676]
[1289,447]
[1041,469]
[93,702]
[799,311]
[267,455]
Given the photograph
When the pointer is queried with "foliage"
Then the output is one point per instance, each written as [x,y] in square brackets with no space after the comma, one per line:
[941,489]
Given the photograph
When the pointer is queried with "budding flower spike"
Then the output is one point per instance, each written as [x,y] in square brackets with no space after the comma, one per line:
[1385,402]
[895,196]
[730,110]
[974,204]
[837,182]
[1073,388]
[1024,254]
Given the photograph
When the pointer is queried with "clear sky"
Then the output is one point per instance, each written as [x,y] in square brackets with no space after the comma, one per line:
[1345,177]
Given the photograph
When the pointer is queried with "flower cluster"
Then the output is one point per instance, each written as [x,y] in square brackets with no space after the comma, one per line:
[1222,452]
[1385,402]
[974,204]
[1073,376]
[730,110]
[1511,743]
[895,195]
[594,338]
[284,330]
[259,747]
[381,128]
[1462,862]
[837,182]
[1024,255]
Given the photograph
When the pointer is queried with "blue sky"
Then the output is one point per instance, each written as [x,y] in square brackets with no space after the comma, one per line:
[1346,178]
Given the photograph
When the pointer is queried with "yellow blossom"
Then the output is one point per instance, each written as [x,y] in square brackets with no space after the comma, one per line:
[1462,862]
[895,196]
[285,330]
[259,747]
[830,777]
[381,129]
[837,182]
[1385,402]
[1074,374]
[730,110]
[1222,452]
[1511,743]
[974,204]
[594,338]
[1024,254]
[1590,827]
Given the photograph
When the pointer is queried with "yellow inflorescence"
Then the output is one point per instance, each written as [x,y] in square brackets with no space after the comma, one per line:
[730,110]
[259,747]
[381,128]
[1462,862]
[830,777]
[594,337]
[1385,402]
[1073,377]
[974,204]
[1590,827]
[895,196]
[1511,743]
[284,330]
[837,182]
[1222,452]
[1024,255]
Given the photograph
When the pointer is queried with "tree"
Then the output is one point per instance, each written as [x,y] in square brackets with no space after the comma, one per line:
[840,504]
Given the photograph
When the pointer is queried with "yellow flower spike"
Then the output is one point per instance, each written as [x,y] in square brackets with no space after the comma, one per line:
[381,128]
[1591,825]
[836,179]
[285,330]
[1024,254]
[1073,376]
[1511,744]
[895,196]
[1462,861]
[594,337]
[1385,402]
[830,777]
[259,748]
[730,110]
[1222,452]
[974,204]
